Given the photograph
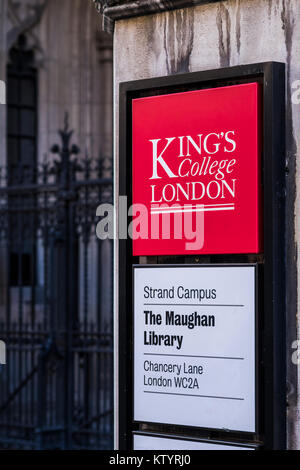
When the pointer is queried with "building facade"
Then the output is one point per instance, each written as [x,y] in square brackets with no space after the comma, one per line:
[56,277]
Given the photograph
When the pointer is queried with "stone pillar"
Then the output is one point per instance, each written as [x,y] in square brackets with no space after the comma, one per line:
[105,49]
[105,248]
[162,37]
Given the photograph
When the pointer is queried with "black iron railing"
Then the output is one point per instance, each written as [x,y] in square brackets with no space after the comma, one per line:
[55,303]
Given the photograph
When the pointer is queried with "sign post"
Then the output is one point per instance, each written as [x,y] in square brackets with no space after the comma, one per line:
[200,311]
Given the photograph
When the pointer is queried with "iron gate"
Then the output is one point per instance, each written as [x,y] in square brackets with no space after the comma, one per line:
[55,304]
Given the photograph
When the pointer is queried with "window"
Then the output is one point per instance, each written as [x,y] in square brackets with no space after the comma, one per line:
[21,159]
[21,109]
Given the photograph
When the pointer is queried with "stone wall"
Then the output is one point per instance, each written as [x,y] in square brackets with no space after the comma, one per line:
[70,76]
[74,61]
[221,34]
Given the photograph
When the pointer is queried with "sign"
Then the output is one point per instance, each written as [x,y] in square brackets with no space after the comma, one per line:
[152,442]
[209,143]
[196,161]
[194,345]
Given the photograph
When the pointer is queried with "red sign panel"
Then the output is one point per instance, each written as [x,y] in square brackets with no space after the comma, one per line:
[196,170]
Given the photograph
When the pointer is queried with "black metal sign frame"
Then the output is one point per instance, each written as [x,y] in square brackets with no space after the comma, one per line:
[200,441]
[272,367]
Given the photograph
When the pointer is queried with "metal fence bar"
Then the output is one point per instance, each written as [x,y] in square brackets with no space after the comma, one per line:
[56,390]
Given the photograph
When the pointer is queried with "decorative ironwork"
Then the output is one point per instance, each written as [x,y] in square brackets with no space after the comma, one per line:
[56,317]
[24,17]
[98,5]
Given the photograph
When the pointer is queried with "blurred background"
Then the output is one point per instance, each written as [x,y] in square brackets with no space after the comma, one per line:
[56,389]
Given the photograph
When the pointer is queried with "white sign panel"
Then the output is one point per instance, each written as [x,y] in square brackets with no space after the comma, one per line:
[144,442]
[194,346]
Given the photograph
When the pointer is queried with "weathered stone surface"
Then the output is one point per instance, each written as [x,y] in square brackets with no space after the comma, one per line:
[113,10]
[211,36]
